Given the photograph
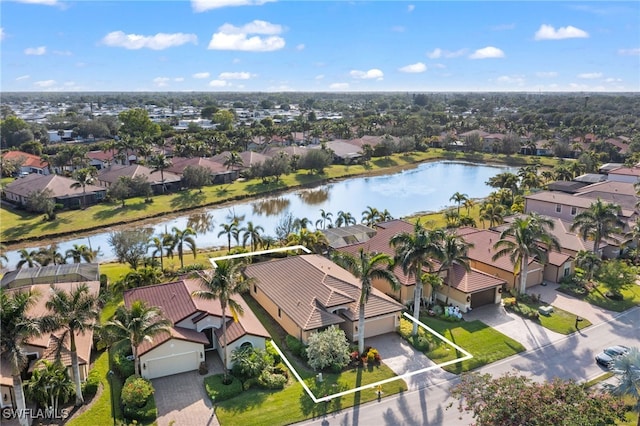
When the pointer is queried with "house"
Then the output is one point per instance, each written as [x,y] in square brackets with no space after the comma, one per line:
[101,159]
[62,189]
[28,163]
[248,158]
[110,175]
[625,174]
[66,273]
[469,289]
[219,172]
[309,293]
[344,152]
[197,328]
[47,345]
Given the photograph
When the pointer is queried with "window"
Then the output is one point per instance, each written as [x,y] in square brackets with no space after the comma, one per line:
[279,313]
[558,208]
[255,288]
[246,345]
[574,210]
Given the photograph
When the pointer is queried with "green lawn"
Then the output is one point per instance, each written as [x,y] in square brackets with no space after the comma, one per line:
[483,342]
[18,225]
[559,320]
[631,298]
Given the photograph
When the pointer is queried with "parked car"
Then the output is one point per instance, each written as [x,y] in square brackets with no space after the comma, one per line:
[608,355]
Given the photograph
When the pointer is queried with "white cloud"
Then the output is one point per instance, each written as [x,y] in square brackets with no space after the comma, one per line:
[339,86]
[44,83]
[161,81]
[301,46]
[629,52]
[319,77]
[204,5]
[547,32]
[234,76]
[159,41]
[201,75]
[23,77]
[511,79]
[486,53]
[439,53]
[367,75]
[37,51]
[546,74]
[2,34]
[43,2]
[178,79]
[414,68]
[218,83]
[62,53]
[230,37]
[411,8]
[612,80]
[590,75]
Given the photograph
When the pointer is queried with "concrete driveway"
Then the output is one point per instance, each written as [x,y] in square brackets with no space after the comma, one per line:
[181,399]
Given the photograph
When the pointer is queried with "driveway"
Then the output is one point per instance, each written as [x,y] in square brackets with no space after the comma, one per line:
[182,400]
[402,358]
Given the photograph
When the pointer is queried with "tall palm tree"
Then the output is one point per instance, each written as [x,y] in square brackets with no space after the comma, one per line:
[158,245]
[453,251]
[370,216]
[526,238]
[252,234]
[137,323]
[221,284]
[80,252]
[367,267]
[325,219]
[468,204]
[75,312]
[415,251]
[29,258]
[83,177]
[599,221]
[160,163]
[49,255]
[230,230]
[589,262]
[459,199]
[344,218]
[633,238]
[627,369]
[492,212]
[17,328]
[233,161]
[182,237]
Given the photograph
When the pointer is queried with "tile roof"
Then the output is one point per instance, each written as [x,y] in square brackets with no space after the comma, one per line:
[28,160]
[473,281]
[483,251]
[112,174]
[306,287]
[180,163]
[248,158]
[60,186]
[175,332]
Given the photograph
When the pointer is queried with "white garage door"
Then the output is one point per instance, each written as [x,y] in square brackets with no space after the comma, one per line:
[174,364]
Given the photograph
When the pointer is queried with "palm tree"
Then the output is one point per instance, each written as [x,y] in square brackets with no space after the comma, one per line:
[252,234]
[468,204]
[49,384]
[453,251]
[182,237]
[589,262]
[599,221]
[29,258]
[315,241]
[75,312]
[492,212]
[459,198]
[344,218]
[222,284]
[367,267]
[80,252]
[325,219]
[83,177]
[370,216]
[17,328]
[627,369]
[48,255]
[159,244]
[526,238]
[230,230]
[160,163]
[633,238]
[233,160]
[414,252]
[138,323]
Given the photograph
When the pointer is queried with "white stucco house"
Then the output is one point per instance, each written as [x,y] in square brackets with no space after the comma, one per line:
[197,329]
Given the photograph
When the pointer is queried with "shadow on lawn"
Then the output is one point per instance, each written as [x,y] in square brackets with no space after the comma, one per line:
[186,199]
[118,210]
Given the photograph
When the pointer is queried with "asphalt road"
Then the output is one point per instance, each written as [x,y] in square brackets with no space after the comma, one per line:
[571,357]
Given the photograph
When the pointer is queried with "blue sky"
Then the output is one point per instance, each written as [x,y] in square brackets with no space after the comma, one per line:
[326,46]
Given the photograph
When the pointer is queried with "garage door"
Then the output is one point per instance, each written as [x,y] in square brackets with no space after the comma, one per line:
[482,298]
[174,364]
[379,326]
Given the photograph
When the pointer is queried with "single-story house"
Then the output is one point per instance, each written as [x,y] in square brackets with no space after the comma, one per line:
[29,163]
[110,175]
[46,346]
[61,188]
[197,328]
[344,151]
[219,172]
[309,293]
[248,158]
[66,273]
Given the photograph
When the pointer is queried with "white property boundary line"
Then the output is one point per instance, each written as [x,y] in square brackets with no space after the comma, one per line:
[257,253]
[466,356]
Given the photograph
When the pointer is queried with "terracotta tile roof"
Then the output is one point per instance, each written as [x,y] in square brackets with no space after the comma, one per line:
[181,163]
[289,150]
[112,174]
[304,287]
[101,155]
[179,333]
[28,160]
[60,186]
[248,158]
[622,146]
[483,251]
[473,281]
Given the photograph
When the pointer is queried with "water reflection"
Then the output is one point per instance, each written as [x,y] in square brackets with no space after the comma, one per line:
[271,207]
[314,196]
[201,222]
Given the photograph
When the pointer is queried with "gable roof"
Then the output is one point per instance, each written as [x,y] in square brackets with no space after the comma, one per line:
[60,186]
[248,158]
[181,163]
[309,287]
[482,250]
[112,174]
[28,160]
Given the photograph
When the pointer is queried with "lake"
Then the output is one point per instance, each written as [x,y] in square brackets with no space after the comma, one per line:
[425,188]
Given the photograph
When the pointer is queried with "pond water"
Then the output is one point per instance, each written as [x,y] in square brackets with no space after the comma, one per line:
[425,188]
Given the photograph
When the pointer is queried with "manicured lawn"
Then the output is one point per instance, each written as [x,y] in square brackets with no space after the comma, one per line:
[18,225]
[559,320]
[598,298]
[483,342]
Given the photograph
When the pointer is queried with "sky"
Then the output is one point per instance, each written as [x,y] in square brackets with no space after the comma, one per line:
[319,46]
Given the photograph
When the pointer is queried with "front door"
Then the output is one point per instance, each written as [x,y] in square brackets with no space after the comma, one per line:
[209,333]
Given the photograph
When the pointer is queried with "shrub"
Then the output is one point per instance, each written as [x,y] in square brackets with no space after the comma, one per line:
[275,356]
[147,413]
[272,381]
[421,342]
[296,346]
[328,348]
[280,368]
[123,366]
[136,392]
[90,387]
[248,362]
[218,391]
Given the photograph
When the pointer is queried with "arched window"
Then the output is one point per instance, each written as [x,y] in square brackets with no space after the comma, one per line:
[246,345]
